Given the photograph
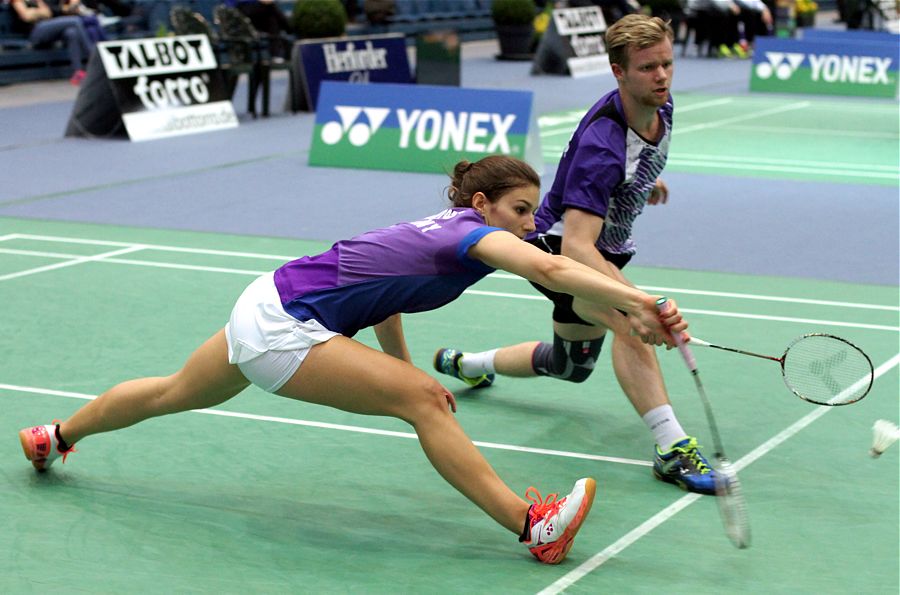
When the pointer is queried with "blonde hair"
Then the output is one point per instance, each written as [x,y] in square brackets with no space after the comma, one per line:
[637,31]
[493,176]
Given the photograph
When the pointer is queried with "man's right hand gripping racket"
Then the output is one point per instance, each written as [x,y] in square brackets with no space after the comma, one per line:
[729,495]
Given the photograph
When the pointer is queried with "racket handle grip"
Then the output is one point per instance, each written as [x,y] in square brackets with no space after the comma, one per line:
[662,305]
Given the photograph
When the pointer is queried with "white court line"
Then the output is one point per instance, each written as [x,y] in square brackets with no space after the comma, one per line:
[814,321]
[161,247]
[40,253]
[146,263]
[877,327]
[497,275]
[703,104]
[346,428]
[836,171]
[717,123]
[186,267]
[815,131]
[80,260]
[766,112]
[770,298]
[670,511]
[535,296]
[562,132]
[742,296]
[765,160]
[575,116]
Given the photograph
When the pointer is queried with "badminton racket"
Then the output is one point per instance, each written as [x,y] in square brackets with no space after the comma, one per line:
[819,368]
[729,494]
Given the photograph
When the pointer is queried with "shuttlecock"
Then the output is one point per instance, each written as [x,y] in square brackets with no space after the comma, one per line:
[884,433]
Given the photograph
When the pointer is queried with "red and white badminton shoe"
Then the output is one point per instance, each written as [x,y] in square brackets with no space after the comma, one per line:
[41,446]
[552,523]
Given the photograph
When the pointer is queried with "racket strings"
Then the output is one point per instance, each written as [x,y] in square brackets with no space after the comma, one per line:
[826,369]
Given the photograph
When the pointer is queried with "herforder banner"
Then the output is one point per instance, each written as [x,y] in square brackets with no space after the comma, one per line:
[167,86]
[849,67]
[419,128]
[370,59]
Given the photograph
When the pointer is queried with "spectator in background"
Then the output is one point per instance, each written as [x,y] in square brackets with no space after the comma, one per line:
[268,19]
[35,19]
[132,17]
[756,19]
[613,10]
[351,7]
[116,7]
[715,22]
[730,26]
[89,19]
[378,12]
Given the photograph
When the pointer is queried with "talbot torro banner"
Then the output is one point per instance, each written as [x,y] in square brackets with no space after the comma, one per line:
[167,86]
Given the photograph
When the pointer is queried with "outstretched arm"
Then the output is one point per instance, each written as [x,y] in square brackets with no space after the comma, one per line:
[505,251]
[389,333]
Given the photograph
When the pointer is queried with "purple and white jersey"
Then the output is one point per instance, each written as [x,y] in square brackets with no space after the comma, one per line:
[408,267]
[609,170]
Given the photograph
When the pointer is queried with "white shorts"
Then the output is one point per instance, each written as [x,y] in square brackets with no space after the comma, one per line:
[265,342]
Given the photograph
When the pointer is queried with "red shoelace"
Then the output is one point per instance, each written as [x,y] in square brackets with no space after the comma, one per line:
[542,507]
[64,453]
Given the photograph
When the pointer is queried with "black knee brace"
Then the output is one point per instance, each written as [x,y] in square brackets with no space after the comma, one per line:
[567,360]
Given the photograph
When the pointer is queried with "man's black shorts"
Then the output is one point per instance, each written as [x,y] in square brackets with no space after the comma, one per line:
[562,302]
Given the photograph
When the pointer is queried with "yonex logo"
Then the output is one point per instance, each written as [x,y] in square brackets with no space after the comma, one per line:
[781,64]
[829,68]
[865,70]
[429,129]
[358,133]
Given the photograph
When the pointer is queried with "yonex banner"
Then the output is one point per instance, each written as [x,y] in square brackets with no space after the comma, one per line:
[370,59]
[166,86]
[418,127]
[842,35]
[830,67]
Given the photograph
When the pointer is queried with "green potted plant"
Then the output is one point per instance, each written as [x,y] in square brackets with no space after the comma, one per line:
[318,18]
[514,22]
[806,12]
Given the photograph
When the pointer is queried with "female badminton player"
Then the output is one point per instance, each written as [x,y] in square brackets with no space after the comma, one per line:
[290,333]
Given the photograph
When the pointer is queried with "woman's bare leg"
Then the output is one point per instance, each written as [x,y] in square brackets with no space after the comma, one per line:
[345,374]
[206,379]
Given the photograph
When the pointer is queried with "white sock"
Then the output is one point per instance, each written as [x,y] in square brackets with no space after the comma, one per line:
[664,425]
[476,364]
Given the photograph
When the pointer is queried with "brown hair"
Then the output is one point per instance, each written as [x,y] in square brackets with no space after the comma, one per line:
[493,176]
[638,31]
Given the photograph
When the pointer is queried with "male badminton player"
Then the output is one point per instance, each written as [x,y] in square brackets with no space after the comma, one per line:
[607,174]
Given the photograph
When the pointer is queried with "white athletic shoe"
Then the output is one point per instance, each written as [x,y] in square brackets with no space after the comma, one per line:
[41,446]
[553,523]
